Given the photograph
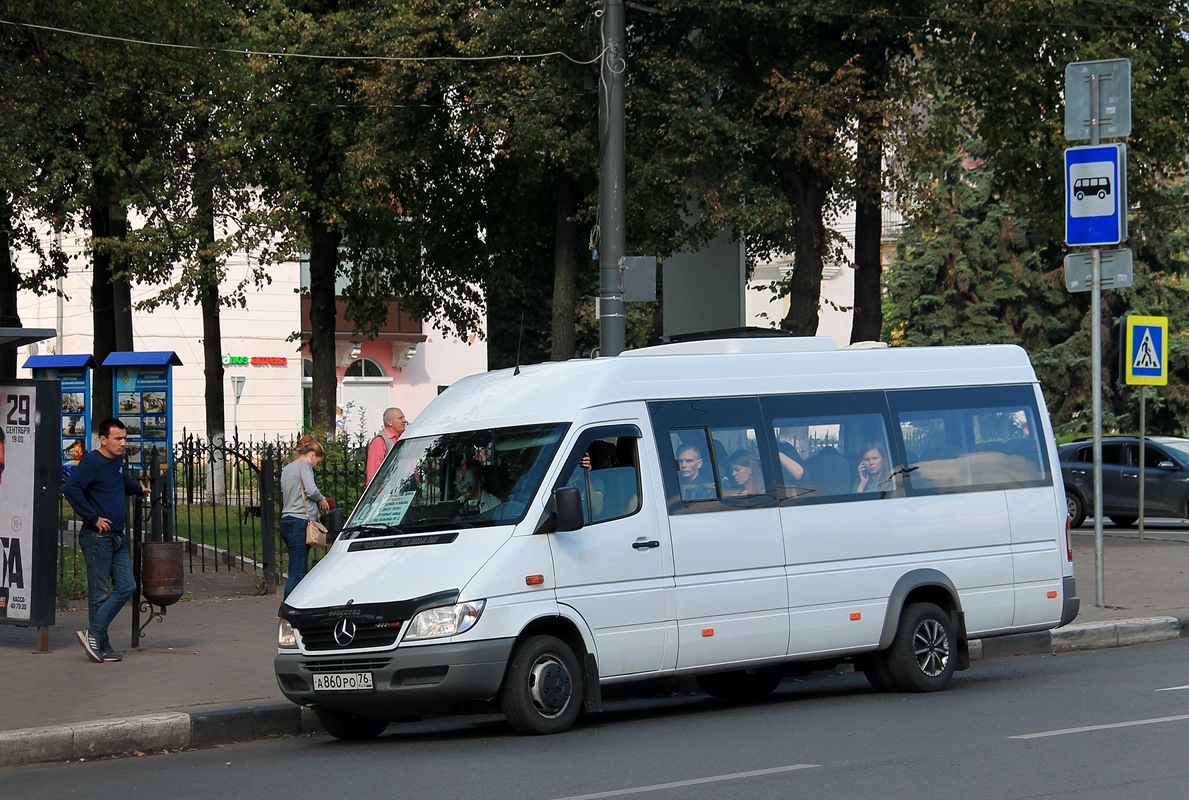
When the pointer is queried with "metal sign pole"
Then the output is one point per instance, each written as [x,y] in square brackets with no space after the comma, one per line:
[1096,371]
[1089,224]
[1143,424]
[1096,374]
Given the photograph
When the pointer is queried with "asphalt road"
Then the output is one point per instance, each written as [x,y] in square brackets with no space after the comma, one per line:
[1090,725]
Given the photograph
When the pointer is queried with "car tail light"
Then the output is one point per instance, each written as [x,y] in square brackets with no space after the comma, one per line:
[1068,546]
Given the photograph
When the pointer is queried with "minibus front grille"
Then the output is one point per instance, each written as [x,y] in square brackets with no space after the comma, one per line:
[331,636]
[347,665]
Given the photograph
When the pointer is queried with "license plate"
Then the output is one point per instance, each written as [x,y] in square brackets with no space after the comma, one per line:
[342,681]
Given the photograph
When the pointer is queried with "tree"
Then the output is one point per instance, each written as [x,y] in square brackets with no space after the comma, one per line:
[996,73]
[90,97]
[760,102]
[36,175]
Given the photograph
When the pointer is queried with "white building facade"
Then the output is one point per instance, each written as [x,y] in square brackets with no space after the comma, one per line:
[406,367]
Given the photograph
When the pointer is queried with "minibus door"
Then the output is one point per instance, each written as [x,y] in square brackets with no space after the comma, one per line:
[616,570]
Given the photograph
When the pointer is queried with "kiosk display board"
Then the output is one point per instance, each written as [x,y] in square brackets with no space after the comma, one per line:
[143,400]
[30,480]
[73,373]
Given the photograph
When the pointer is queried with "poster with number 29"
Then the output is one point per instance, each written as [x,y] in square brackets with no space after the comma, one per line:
[18,405]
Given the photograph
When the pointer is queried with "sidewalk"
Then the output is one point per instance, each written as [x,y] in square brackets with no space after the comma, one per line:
[204,674]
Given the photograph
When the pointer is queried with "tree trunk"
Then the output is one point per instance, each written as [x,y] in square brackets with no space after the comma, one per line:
[212,332]
[9,317]
[806,189]
[324,253]
[867,321]
[111,292]
[567,247]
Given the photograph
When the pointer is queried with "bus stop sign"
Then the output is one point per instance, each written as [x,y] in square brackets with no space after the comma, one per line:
[1096,194]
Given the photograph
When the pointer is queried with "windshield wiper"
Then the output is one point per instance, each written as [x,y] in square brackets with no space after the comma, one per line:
[370,530]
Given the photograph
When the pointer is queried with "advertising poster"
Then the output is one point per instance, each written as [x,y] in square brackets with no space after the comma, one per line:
[76,416]
[18,405]
[73,374]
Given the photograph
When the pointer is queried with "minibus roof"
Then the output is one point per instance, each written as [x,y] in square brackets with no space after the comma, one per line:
[559,391]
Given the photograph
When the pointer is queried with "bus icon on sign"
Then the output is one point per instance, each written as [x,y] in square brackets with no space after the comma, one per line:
[1098,185]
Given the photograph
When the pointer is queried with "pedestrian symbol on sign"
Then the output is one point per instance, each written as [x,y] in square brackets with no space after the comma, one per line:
[1145,354]
[1146,349]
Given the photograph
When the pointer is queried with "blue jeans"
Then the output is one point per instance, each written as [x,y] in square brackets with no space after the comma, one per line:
[109,579]
[293,532]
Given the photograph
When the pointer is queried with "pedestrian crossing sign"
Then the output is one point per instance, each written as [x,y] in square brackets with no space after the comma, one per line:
[1147,349]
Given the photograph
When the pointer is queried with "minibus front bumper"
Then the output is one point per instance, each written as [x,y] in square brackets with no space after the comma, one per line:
[406,680]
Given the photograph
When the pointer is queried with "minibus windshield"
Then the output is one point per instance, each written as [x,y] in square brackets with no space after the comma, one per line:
[457,480]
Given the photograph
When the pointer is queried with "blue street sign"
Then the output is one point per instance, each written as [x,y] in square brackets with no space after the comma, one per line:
[1147,346]
[1096,194]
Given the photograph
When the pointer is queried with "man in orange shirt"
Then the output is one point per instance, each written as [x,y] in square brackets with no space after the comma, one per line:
[394,425]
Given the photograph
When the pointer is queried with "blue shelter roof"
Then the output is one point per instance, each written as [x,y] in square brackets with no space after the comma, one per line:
[64,360]
[157,358]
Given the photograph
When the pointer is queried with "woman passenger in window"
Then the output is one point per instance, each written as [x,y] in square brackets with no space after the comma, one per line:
[875,468]
[745,474]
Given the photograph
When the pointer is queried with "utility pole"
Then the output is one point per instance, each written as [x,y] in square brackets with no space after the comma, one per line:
[612,172]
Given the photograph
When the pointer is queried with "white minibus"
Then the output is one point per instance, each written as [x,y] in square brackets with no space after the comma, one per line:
[731,511]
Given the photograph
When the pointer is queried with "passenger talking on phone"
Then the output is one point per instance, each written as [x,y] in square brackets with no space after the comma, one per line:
[875,468]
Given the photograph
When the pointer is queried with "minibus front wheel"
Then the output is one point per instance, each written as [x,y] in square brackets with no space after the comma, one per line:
[543,690]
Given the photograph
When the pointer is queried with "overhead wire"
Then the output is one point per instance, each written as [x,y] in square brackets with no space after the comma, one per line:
[282,54]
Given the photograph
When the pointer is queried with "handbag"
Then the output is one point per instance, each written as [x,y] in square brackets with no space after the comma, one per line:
[315,530]
[315,533]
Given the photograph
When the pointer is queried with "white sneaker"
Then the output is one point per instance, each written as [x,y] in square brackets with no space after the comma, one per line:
[91,645]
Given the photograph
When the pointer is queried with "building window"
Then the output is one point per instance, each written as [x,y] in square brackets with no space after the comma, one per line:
[365,368]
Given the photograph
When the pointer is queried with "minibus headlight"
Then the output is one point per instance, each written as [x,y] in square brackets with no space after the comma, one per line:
[286,638]
[445,620]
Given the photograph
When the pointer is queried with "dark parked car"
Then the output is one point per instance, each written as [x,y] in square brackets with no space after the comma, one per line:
[1166,478]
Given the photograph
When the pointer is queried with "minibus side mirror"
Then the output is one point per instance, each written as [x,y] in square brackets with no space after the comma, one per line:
[567,505]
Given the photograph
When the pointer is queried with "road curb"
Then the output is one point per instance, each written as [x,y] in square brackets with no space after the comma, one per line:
[113,737]
[1087,636]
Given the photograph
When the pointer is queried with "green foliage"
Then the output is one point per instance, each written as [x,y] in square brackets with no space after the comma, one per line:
[72,576]
[342,474]
[968,271]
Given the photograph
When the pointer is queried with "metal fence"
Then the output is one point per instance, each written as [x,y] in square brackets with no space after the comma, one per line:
[224,505]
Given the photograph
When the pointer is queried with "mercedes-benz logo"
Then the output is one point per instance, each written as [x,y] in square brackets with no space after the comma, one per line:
[344,632]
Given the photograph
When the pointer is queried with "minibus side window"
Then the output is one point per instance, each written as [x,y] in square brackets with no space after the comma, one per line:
[970,439]
[834,448]
[606,473]
[714,456]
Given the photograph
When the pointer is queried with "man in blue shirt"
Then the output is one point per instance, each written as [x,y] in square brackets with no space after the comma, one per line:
[97,490]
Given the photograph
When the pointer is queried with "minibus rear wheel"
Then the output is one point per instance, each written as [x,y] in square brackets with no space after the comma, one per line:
[921,658]
[345,725]
[543,690]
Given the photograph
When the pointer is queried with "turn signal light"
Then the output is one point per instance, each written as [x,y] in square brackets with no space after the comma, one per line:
[1052,594]
[855,616]
[707,631]
[534,580]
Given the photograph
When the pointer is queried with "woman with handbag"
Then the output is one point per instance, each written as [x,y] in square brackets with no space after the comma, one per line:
[302,500]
